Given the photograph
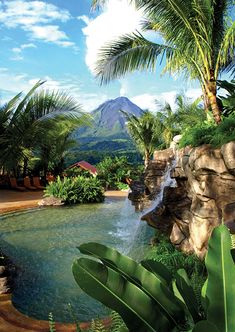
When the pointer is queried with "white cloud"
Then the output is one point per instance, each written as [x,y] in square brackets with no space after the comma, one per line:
[12,83]
[84,18]
[18,13]
[193,93]
[18,51]
[17,57]
[35,17]
[118,18]
[147,101]
[49,33]
[29,45]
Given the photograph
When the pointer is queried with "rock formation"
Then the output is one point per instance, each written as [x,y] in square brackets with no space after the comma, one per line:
[146,189]
[7,271]
[204,196]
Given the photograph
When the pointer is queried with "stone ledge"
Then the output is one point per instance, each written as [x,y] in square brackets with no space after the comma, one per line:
[11,320]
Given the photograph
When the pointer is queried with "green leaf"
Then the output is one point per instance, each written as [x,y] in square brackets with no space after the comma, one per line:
[141,277]
[187,292]
[113,290]
[205,326]
[233,254]
[204,299]
[220,290]
[158,269]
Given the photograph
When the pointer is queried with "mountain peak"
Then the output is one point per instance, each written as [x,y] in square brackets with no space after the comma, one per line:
[110,116]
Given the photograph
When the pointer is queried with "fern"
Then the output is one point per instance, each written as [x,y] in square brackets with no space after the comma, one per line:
[52,327]
[232,241]
[73,315]
[97,326]
[117,322]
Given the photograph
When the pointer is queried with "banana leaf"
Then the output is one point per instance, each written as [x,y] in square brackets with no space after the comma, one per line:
[141,277]
[205,326]
[137,309]
[220,291]
[187,292]
[159,270]
[233,254]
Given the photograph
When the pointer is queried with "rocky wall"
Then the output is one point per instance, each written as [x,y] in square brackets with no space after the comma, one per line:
[203,198]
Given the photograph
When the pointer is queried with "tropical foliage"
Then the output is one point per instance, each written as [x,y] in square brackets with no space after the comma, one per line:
[36,128]
[147,297]
[209,133]
[228,101]
[76,190]
[198,41]
[145,132]
[187,114]
[113,171]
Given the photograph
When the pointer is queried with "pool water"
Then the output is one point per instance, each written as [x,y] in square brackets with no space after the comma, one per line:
[42,244]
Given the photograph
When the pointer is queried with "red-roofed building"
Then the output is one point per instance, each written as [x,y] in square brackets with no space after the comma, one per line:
[86,166]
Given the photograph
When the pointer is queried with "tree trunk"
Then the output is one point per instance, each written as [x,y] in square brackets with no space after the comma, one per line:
[211,90]
[205,99]
[146,159]
[25,166]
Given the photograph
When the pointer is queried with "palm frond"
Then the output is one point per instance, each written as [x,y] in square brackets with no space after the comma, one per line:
[226,54]
[127,54]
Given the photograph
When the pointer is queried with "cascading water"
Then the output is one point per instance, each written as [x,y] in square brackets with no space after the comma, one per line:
[167,182]
[131,230]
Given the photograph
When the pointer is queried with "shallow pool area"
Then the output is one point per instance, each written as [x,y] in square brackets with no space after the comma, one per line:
[42,244]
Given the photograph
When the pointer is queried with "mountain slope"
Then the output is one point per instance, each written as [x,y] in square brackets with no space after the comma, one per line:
[108,121]
[108,134]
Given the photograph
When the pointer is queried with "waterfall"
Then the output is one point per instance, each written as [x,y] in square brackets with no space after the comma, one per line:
[134,234]
[167,182]
[127,226]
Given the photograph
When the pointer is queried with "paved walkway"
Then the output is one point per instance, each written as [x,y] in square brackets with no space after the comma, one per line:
[11,200]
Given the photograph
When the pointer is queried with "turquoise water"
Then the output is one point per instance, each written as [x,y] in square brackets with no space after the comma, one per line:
[42,244]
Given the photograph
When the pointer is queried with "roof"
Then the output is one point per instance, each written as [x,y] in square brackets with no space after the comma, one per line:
[85,165]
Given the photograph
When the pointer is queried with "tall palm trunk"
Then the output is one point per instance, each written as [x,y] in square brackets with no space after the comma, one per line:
[211,90]
[25,167]
[146,158]
[205,99]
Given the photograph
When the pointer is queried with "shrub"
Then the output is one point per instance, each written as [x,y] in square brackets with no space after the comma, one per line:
[121,186]
[113,170]
[76,190]
[209,133]
[164,251]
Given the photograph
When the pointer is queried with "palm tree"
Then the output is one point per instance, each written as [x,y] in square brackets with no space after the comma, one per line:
[26,122]
[186,114]
[198,41]
[145,132]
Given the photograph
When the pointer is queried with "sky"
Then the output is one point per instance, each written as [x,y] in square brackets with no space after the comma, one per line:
[58,41]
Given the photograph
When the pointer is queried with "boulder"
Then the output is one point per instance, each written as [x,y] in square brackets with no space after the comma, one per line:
[204,196]
[50,201]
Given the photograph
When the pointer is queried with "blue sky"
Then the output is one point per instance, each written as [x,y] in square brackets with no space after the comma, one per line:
[58,40]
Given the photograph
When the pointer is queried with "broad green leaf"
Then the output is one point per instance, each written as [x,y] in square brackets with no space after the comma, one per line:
[233,254]
[187,292]
[158,269]
[203,296]
[205,326]
[137,274]
[176,292]
[220,290]
[107,286]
